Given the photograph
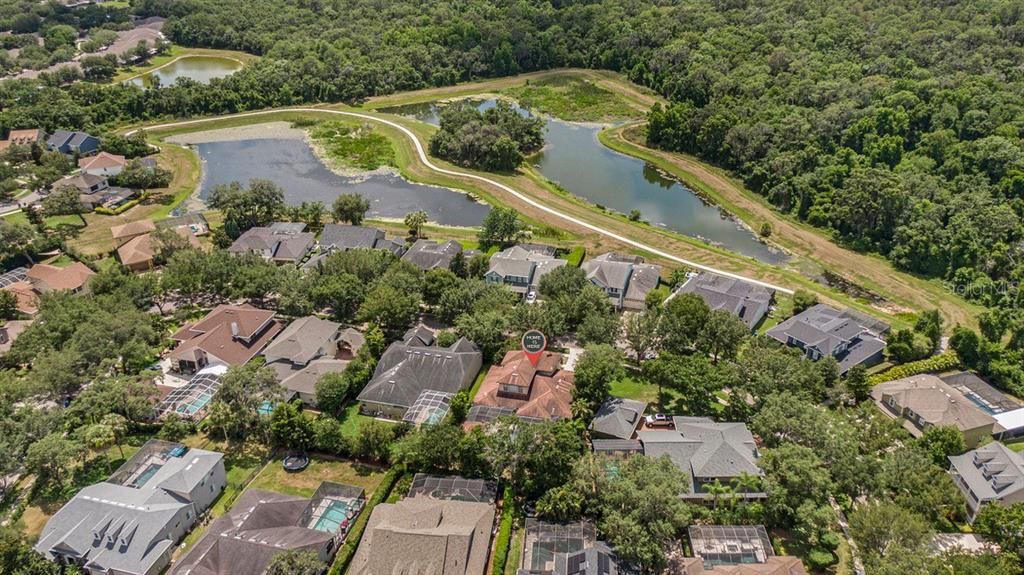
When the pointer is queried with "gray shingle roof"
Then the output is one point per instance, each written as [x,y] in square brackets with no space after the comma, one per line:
[749,302]
[282,241]
[122,525]
[304,340]
[831,332]
[520,261]
[429,255]
[704,449]
[407,369]
[993,472]
[628,274]
[346,237]
[618,418]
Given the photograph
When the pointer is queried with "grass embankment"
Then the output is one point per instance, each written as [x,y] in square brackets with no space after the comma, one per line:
[177,52]
[869,271]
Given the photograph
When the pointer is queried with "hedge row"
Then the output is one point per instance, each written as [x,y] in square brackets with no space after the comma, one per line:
[348,549]
[501,545]
[942,362]
[122,208]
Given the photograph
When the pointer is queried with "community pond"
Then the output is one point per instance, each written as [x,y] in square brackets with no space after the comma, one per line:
[291,163]
[574,158]
[202,69]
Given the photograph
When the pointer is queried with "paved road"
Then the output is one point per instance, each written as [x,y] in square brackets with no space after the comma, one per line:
[518,195]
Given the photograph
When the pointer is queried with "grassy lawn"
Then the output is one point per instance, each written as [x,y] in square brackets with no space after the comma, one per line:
[352,420]
[515,550]
[479,381]
[574,99]
[1015,444]
[273,477]
[353,145]
[632,388]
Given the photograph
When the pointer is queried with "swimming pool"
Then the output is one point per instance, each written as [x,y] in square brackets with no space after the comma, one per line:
[331,519]
[195,406]
[146,475]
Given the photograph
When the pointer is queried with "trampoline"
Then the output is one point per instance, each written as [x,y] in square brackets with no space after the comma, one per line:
[295,462]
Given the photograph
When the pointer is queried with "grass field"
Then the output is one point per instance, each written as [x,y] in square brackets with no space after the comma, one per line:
[353,145]
[633,388]
[273,477]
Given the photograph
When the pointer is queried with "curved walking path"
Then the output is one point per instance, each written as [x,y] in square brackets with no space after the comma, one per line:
[507,189]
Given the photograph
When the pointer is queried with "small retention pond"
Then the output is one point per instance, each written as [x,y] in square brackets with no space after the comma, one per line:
[202,69]
[291,163]
[577,161]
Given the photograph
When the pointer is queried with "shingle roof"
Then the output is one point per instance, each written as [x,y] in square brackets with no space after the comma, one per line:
[283,241]
[745,300]
[233,334]
[134,517]
[705,449]
[405,370]
[72,277]
[101,160]
[628,274]
[933,400]
[422,535]
[260,525]
[303,340]
[428,254]
[827,330]
[618,417]
[132,229]
[304,380]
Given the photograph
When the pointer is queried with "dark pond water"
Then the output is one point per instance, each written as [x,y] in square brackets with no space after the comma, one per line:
[576,160]
[202,69]
[294,166]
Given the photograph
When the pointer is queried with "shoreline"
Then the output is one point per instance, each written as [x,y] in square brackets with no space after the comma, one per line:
[241,64]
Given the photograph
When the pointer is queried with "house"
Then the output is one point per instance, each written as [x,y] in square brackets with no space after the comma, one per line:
[425,535]
[992,473]
[736,550]
[626,279]
[131,523]
[538,392]
[46,278]
[194,222]
[568,549]
[412,366]
[138,253]
[430,255]
[617,418]
[102,164]
[280,242]
[30,137]
[86,184]
[821,331]
[126,232]
[16,282]
[921,401]
[748,301]
[262,524]
[73,143]
[228,335]
[520,269]
[708,452]
[345,237]
[308,349]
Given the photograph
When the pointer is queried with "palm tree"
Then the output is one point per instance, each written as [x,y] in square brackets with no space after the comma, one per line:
[98,437]
[118,426]
[716,490]
[415,222]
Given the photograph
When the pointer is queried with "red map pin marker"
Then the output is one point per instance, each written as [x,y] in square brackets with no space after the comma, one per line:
[534,344]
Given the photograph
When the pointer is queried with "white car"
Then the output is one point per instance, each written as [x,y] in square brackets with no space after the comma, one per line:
[531,296]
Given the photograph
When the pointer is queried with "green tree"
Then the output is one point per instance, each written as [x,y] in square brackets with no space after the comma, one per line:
[415,222]
[295,562]
[883,530]
[290,428]
[941,442]
[175,428]
[98,438]
[332,391]
[501,227]
[596,369]
[486,329]
[722,335]
[350,208]
[803,300]
[52,456]
[682,322]
[391,309]
[373,441]
[1004,525]
[259,205]
[118,426]
[64,202]
[16,239]
[857,383]
[8,305]
[642,333]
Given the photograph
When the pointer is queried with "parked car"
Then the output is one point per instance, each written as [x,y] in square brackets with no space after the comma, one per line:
[531,296]
[658,420]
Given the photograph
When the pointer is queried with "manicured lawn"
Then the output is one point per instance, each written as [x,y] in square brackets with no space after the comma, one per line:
[632,388]
[304,483]
[352,420]
[1016,445]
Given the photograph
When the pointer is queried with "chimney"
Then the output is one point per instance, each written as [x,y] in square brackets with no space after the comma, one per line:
[234,329]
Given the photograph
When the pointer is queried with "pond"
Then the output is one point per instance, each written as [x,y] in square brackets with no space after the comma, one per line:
[292,164]
[202,69]
[575,159]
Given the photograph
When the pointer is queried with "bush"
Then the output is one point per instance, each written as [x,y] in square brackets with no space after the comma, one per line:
[501,544]
[122,208]
[942,362]
[818,559]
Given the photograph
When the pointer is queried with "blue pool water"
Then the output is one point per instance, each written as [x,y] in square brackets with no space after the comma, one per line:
[146,475]
[330,521]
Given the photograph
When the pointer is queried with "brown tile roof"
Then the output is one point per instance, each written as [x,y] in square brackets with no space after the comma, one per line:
[101,160]
[140,250]
[549,396]
[215,334]
[47,277]
[24,137]
[28,301]
[132,229]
